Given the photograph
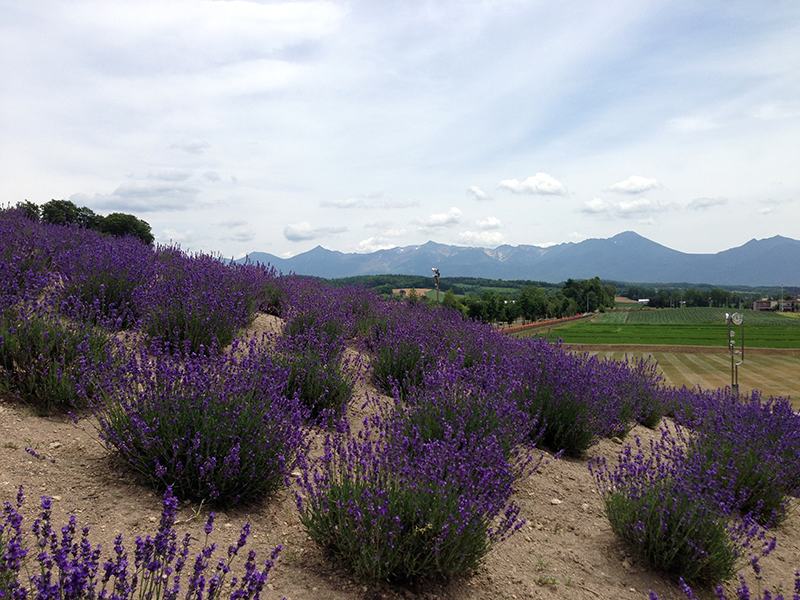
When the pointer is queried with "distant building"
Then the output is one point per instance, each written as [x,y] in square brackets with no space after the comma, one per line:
[764,304]
[644,301]
[788,305]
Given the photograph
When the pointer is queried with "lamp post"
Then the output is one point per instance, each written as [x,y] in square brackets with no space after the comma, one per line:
[436,279]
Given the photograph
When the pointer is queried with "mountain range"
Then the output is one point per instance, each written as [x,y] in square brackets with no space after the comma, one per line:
[626,257]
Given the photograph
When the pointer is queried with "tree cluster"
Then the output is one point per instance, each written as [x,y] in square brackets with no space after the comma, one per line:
[532,303]
[677,297]
[65,212]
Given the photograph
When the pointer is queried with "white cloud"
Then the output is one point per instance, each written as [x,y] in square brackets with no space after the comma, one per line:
[297,232]
[539,184]
[373,244]
[173,235]
[212,176]
[191,146]
[239,236]
[343,203]
[482,239]
[234,223]
[489,223]
[451,217]
[380,241]
[691,124]
[596,206]
[635,185]
[704,203]
[370,202]
[171,175]
[478,193]
[144,196]
[641,208]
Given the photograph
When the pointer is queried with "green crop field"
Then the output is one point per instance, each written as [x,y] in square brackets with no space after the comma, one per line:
[681,327]
[679,334]
[697,315]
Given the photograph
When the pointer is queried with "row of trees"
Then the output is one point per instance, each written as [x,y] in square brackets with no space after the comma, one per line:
[676,297]
[65,212]
[532,303]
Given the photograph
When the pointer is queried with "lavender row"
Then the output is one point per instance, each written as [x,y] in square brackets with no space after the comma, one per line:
[68,567]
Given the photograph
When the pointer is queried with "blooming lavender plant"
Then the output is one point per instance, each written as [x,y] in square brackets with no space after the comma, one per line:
[414,339]
[402,507]
[212,426]
[675,511]
[101,276]
[70,569]
[43,358]
[199,300]
[756,439]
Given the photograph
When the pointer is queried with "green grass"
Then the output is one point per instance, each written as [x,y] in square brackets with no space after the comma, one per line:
[680,334]
[696,315]
[699,326]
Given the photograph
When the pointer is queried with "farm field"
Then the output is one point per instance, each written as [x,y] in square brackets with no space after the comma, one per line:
[773,375]
[683,334]
[686,327]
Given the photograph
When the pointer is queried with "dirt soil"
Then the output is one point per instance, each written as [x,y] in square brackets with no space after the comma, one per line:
[565,551]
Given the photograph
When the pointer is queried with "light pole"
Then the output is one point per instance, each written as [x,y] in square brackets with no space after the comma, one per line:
[781,297]
[436,278]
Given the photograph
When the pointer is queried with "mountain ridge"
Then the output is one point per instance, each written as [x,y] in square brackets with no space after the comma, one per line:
[626,256]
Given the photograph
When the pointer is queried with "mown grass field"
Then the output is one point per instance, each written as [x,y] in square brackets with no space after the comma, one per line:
[773,375]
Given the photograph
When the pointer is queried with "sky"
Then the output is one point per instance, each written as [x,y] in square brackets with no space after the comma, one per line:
[235,126]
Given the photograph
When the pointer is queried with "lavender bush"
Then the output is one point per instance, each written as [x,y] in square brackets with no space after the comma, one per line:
[675,511]
[478,401]
[402,507]
[43,358]
[101,276]
[414,339]
[70,569]
[756,440]
[199,300]
[212,426]
[559,391]
[312,349]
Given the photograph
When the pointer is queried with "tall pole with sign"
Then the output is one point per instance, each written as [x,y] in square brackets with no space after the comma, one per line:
[737,356]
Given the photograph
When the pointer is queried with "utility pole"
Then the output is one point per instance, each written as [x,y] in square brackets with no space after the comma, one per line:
[436,279]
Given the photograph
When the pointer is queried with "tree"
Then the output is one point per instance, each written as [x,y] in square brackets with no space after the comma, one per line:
[31,210]
[65,212]
[532,303]
[121,224]
[60,212]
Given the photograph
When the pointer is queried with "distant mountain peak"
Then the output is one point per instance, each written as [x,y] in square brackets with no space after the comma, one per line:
[627,257]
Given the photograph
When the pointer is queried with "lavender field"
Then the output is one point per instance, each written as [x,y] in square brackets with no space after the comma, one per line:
[147,343]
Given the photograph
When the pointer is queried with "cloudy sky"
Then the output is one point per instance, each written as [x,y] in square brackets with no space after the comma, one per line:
[241,126]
